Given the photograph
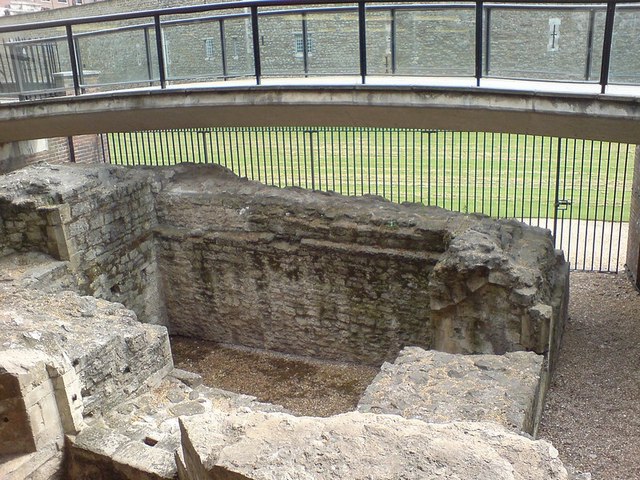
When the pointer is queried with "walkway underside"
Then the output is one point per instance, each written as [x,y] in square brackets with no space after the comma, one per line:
[592,116]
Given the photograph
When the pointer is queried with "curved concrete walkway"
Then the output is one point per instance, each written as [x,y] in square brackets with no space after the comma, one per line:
[500,106]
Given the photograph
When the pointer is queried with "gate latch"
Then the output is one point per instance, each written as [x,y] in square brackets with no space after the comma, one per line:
[563,204]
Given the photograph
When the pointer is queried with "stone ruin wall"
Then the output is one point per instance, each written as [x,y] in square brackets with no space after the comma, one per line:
[232,261]
[99,222]
[212,256]
[349,278]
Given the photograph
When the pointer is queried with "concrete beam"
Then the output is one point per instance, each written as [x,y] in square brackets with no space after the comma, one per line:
[595,117]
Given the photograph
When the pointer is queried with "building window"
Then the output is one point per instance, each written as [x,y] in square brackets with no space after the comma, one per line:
[209,48]
[78,2]
[299,46]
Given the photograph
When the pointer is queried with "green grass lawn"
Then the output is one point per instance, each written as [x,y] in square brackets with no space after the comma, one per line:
[501,175]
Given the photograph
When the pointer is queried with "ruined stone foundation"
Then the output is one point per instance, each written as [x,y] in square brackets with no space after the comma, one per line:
[98,264]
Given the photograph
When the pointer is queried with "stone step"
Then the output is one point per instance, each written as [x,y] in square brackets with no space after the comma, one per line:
[45,464]
[140,438]
[103,453]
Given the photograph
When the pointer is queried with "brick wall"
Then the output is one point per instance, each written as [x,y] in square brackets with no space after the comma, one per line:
[16,155]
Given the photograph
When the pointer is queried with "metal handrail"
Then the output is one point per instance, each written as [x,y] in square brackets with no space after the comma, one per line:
[251,10]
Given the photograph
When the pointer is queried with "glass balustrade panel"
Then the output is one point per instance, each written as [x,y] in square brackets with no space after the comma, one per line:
[117,55]
[332,42]
[625,46]
[544,43]
[434,41]
[281,50]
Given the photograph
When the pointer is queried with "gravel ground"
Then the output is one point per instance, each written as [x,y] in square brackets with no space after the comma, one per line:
[592,413]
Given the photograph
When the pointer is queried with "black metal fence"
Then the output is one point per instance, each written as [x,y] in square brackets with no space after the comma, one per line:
[579,189]
[30,69]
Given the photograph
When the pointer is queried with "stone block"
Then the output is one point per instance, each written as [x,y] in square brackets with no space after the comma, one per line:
[105,454]
[275,446]
[439,387]
[29,416]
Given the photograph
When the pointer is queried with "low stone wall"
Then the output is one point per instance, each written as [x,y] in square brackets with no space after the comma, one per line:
[349,278]
[438,387]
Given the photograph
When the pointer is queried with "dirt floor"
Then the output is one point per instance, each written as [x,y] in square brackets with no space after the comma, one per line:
[592,414]
[303,386]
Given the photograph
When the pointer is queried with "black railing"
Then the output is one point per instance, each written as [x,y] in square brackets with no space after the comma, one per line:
[599,35]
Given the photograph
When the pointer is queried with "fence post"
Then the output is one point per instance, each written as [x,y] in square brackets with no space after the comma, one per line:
[223,48]
[160,51]
[479,28]
[487,41]
[392,34]
[255,32]
[606,45]
[362,40]
[305,47]
[73,57]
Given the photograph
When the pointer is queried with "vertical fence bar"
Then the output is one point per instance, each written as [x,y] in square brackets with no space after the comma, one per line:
[73,58]
[255,32]
[606,45]
[479,36]
[557,192]
[160,51]
[362,40]
[613,209]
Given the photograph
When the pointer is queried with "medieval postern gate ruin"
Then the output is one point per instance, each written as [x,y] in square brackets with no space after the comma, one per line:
[464,312]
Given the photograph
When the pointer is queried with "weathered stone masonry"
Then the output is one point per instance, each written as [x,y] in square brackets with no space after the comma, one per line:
[349,278]
[217,257]
[99,221]
[232,261]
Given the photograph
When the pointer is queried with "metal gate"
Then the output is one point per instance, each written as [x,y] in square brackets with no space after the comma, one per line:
[579,189]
